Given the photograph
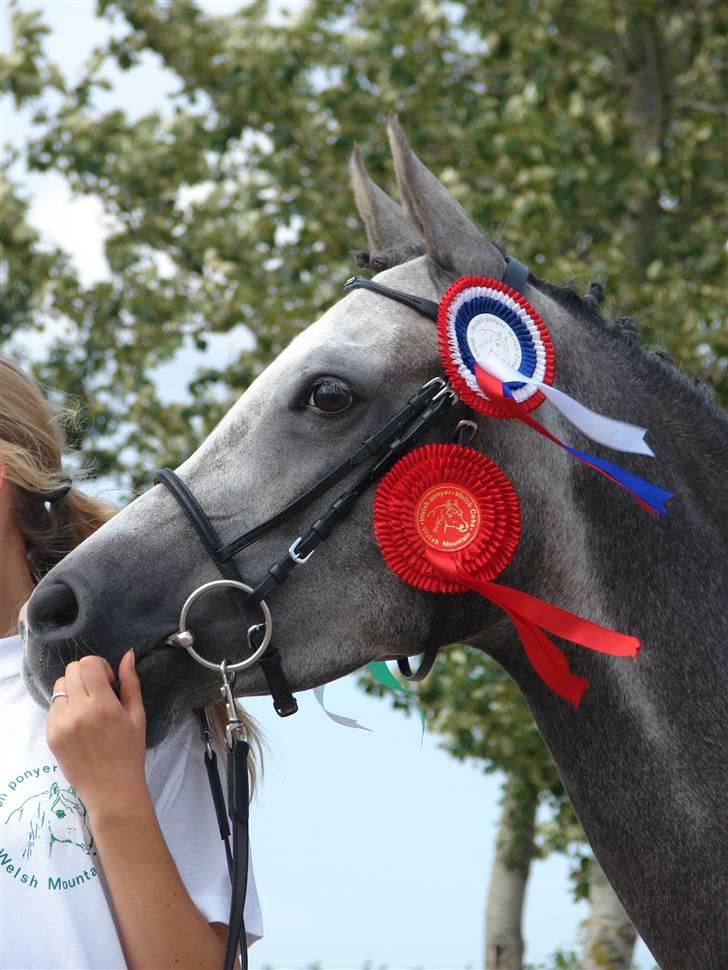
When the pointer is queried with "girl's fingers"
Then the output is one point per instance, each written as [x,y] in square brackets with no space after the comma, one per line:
[130,690]
[74,682]
[59,687]
[96,674]
[59,707]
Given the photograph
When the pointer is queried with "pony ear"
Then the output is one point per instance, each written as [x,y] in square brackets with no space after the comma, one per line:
[388,225]
[451,239]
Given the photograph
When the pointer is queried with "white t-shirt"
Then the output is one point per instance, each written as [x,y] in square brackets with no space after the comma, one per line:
[54,908]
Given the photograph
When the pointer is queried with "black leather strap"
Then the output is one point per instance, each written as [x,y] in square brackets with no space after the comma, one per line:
[283,700]
[426,307]
[278,685]
[238,802]
[323,527]
[238,812]
[372,445]
[195,515]
[428,659]
[516,275]
[213,778]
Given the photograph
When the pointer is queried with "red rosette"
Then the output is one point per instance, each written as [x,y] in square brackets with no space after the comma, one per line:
[450,499]
[469,394]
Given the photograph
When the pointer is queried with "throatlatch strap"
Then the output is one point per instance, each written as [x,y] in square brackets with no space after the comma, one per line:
[428,659]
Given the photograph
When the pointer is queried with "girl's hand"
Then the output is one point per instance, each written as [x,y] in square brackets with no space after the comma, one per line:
[99,739]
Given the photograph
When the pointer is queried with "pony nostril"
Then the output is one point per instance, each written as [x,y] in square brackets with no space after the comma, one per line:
[52,607]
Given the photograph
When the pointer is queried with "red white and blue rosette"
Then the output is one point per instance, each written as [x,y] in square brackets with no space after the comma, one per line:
[480,318]
[498,355]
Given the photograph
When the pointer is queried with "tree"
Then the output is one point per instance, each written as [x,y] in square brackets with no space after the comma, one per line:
[241,178]
[610,937]
[515,850]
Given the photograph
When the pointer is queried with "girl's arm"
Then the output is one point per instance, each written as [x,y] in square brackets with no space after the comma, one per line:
[99,743]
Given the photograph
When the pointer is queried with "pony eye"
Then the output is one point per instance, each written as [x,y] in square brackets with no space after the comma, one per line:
[330,396]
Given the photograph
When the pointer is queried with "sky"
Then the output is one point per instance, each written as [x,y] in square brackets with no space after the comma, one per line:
[369,848]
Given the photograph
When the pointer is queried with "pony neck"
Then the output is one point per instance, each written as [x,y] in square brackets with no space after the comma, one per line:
[645,758]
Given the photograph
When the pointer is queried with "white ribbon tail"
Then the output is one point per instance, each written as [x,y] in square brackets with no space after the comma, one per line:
[338,718]
[607,431]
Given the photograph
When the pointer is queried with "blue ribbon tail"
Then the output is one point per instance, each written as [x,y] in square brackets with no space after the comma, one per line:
[645,491]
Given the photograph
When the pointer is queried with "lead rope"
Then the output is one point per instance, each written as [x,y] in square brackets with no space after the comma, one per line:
[238,804]
[238,801]
[213,777]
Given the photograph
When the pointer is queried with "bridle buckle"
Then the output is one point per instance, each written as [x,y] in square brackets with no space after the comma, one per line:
[299,560]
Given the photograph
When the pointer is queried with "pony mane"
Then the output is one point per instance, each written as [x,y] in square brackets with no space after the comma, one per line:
[625,331]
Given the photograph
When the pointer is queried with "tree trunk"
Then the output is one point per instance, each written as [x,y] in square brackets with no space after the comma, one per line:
[609,936]
[644,74]
[509,877]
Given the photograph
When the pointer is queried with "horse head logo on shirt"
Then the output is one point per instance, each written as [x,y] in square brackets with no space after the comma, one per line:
[58,813]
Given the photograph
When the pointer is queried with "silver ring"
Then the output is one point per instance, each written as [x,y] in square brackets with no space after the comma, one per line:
[58,693]
[186,634]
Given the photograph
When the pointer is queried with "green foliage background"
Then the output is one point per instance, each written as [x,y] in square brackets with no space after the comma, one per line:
[590,135]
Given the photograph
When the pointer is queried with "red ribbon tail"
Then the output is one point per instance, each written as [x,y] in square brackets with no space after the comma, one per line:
[549,662]
[493,389]
[530,617]
[560,622]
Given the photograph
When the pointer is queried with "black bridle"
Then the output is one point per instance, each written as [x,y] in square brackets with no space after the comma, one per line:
[377,453]
[382,449]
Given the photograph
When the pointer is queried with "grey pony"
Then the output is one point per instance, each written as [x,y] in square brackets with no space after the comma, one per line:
[645,759]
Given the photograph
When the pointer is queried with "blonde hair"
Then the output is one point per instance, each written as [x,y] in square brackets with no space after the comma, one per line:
[31,450]
[218,722]
[52,517]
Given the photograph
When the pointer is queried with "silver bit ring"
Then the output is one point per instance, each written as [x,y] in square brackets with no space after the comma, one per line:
[184,637]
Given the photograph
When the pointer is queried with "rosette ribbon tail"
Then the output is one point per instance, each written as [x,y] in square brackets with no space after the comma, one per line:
[619,435]
[530,617]
[381,672]
[650,497]
[341,719]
